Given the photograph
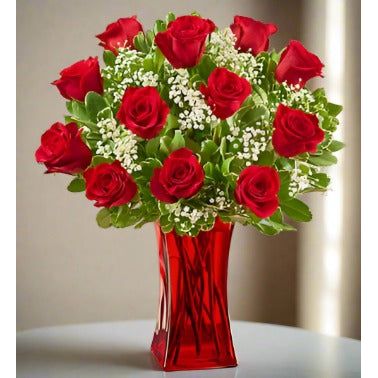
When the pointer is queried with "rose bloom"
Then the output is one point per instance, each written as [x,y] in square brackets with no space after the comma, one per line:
[183,43]
[62,149]
[257,188]
[252,35]
[295,132]
[109,184]
[181,176]
[297,65]
[120,34]
[79,79]
[143,111]
[225,92]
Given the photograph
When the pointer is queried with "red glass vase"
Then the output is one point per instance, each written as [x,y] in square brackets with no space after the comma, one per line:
[193,328]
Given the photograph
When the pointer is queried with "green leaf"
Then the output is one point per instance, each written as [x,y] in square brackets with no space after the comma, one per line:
[94,103]
[172,123]
[148,166]
[148,64]
[208,148]
[226,166]
[159,26]
[109,58]
[262,94]
[104,218]
[212,171]
[76,185]
[152,147]
[158,60]
[178,141]
[323,160]
[105,114]
[140,43]
[96,160]
[69,106]
[266,158]
[334,109]
[205,67]
[192,145]
[165,143]
[297,210]
[170,17]
[223,147]
[149,38]
[126,217]
[320,180]
[335,145]
[78,110]
[253,114]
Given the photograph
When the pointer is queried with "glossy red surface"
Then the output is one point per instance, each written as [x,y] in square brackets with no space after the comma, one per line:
[193,328]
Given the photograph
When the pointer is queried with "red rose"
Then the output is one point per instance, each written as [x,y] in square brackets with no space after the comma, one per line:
[181,176]
[109,185]
[79,79]
[252,35]
[183,43]
[295,132]
[297,65]
[62,149]
[257,188]
[143,111]
[120,34]
[225,92]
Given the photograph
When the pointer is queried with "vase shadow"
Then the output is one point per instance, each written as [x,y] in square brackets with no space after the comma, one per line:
[100,362]
[85,355]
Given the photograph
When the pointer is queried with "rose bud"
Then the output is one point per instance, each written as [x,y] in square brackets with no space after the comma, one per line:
[62,149]
[181,176]
[143,111]
[225,92]
[295,132]
[109,184]
[257,188]
[183,43]
[252,35]
[120,34]
[79,79]
[297,65]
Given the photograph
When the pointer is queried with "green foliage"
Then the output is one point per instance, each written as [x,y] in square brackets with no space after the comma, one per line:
[76,185]
[177,142]
[296,210]
[326,158]
[94,103]
[104,218]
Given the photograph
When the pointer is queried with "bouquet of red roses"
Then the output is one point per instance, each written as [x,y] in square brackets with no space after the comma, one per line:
[188,122]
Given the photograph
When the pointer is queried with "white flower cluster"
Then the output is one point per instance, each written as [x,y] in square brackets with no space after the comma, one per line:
[126,72]
[220,201]
[119,143]
[221,49]
[253,140]
[188,217]
[299,181]
[195,114]
[300,98]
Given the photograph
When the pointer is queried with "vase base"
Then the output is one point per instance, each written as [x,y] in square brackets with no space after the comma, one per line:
[200,365]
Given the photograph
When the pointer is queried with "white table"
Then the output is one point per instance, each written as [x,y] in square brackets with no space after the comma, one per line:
[121,349]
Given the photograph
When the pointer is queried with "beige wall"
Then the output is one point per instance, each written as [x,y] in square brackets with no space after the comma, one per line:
[69,270]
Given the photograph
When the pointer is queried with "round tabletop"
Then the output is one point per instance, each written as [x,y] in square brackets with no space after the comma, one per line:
[121,349]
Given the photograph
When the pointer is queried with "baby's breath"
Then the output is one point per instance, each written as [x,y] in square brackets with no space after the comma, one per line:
[195,113]
[119,143]
[221,49]
[250,141]
[127,71]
